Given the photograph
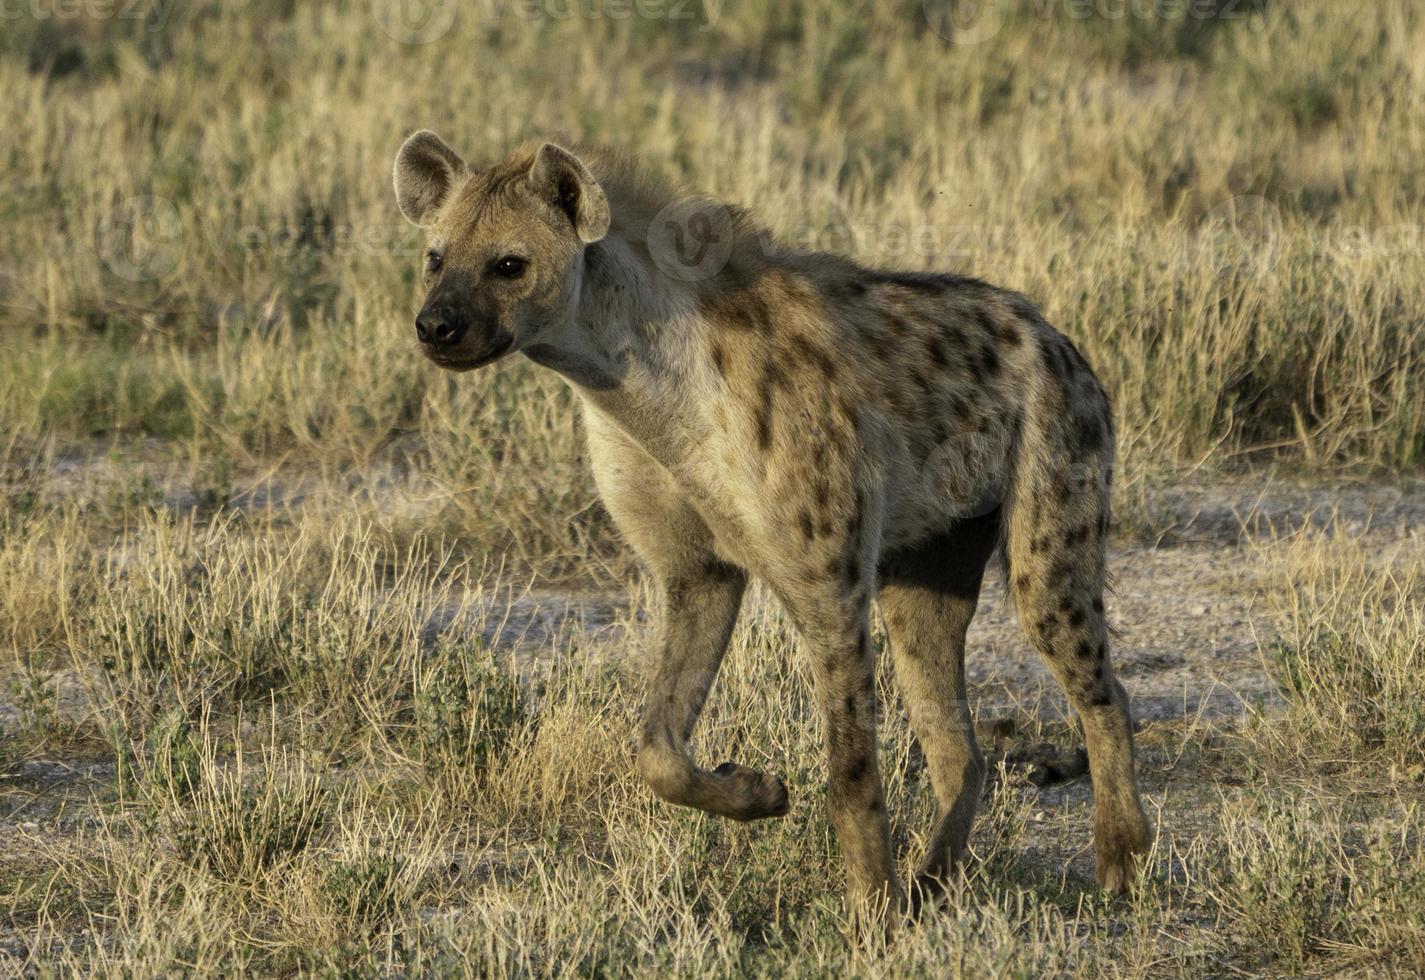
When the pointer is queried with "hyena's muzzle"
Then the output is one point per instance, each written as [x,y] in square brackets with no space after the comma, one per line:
[455,333]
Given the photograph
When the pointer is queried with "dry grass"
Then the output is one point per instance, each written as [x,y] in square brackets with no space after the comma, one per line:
[307,762]
[254,554]
[1223,211]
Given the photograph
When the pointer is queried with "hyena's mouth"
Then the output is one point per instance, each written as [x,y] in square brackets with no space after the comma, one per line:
[452,362]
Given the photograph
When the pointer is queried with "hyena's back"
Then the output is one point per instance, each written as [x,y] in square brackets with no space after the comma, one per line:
[960,392]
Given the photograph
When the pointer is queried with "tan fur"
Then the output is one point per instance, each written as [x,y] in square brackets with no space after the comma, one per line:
[841,434]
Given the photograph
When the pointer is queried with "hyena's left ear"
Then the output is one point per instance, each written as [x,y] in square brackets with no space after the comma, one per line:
[561,178]
[426,169]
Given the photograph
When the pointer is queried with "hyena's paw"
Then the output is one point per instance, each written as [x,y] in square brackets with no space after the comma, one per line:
[747,794]
[1118,841]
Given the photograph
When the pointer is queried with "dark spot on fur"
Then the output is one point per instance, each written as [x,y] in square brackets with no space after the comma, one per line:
[857,770]
[739,311]
[1102,650]
[718,360]
[764,430]
[1102,697]
[1088,434]
[989,360]
[814,355]
[1076,618]
[883,345]
[1046,624]
[1098,606]
[935,347]
[808,530]
[1083,650]
[771,377]
[897,326]
[1056,364]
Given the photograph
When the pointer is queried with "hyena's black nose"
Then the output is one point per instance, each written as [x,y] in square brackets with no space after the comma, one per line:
[438,327]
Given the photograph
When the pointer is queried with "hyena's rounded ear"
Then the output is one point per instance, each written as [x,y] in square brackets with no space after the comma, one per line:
[561,178]
[426,169]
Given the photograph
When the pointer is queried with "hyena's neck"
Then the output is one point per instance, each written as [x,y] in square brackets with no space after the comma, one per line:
[630,351]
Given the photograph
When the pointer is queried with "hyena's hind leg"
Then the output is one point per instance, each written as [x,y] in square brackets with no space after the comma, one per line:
[1056,548]
[928,596]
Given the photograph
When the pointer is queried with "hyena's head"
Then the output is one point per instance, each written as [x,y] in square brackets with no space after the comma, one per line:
[505,245]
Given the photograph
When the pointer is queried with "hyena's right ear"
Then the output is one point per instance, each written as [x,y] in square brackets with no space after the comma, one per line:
[426,169]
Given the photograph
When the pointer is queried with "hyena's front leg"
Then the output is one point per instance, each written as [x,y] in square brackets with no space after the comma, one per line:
[698,599]
[837,634]
[698,610]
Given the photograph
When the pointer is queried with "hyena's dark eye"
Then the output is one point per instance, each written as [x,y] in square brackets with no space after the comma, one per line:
[434,260]
[510,267]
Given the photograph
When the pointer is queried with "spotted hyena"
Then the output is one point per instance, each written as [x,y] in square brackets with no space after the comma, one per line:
[841,433]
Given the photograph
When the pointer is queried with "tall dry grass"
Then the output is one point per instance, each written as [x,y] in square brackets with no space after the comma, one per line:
[1223,211]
